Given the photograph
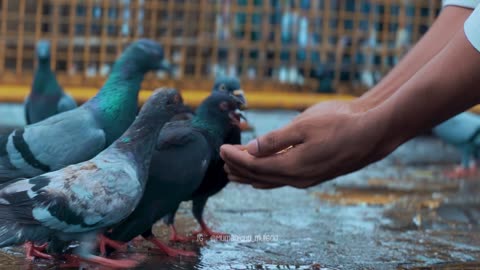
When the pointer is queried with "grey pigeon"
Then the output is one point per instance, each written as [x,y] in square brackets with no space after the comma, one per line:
[80,134]
[463,132]
[80,201]
[47,97]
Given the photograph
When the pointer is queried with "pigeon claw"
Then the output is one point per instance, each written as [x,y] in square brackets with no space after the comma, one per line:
[175,237]
[180,239]
[206,233]
[170,251]
[105,242]
[32,252]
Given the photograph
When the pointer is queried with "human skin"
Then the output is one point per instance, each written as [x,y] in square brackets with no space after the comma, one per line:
[331,140]
[450,20]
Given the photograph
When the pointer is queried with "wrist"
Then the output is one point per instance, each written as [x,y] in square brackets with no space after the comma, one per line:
[384,138]
[362,104]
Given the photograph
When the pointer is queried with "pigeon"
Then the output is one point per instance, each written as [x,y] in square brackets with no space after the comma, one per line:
[80,201]
[463,132]
[216,178]
[47,97]
[222,83]
[80,134]
[195,143]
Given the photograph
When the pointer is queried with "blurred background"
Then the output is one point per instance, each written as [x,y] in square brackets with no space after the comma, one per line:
[328,46]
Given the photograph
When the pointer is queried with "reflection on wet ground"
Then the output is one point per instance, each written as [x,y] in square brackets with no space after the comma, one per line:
[400,213]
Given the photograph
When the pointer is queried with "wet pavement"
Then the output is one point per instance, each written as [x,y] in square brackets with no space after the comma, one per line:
[400,213]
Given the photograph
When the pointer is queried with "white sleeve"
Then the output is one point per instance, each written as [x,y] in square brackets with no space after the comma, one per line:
[472,26]
[461,3]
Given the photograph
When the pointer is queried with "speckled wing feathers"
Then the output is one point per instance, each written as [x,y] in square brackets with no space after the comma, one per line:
[79,198]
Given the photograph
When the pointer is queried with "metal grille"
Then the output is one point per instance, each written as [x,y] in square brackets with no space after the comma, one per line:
[316,45]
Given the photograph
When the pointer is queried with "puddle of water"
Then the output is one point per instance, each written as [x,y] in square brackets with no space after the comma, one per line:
[360,197]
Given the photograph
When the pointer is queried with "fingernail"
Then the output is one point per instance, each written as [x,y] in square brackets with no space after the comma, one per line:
[252,147]
[222,152]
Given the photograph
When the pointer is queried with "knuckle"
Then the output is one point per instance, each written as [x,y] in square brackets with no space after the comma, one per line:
[271,140]
[301,126]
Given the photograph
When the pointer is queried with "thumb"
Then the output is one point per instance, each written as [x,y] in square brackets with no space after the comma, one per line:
[275,141]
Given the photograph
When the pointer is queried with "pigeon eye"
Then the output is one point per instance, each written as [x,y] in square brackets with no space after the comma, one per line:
[176,99]
[223,87]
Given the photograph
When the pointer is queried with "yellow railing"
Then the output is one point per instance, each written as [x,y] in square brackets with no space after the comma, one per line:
[193,97]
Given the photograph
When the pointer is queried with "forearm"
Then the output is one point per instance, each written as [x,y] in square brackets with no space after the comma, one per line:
[447,85]
[442,31]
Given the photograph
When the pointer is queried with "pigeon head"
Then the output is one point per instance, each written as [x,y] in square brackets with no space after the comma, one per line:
[221,107]
[43,50]
[147,55]
[162,105]
[230,85]
[163,101]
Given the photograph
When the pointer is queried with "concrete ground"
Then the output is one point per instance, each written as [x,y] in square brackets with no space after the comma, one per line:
[400,213]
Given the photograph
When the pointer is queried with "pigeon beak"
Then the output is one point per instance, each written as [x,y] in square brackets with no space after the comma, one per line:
[242,116]
[235,117]
[240,96]
[43,50]
[166,66]
[43,53]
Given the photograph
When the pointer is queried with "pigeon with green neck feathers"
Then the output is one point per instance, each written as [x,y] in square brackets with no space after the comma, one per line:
[80,201]
[46,97]
[216,178]
[196,143]
[80,134]
[230,85]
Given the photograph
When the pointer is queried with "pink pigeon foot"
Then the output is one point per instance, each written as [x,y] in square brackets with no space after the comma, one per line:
[32,252]
[209,234]
[175,237]
[103,242]
[170,251]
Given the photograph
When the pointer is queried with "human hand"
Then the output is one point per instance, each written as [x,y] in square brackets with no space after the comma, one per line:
[324,146]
